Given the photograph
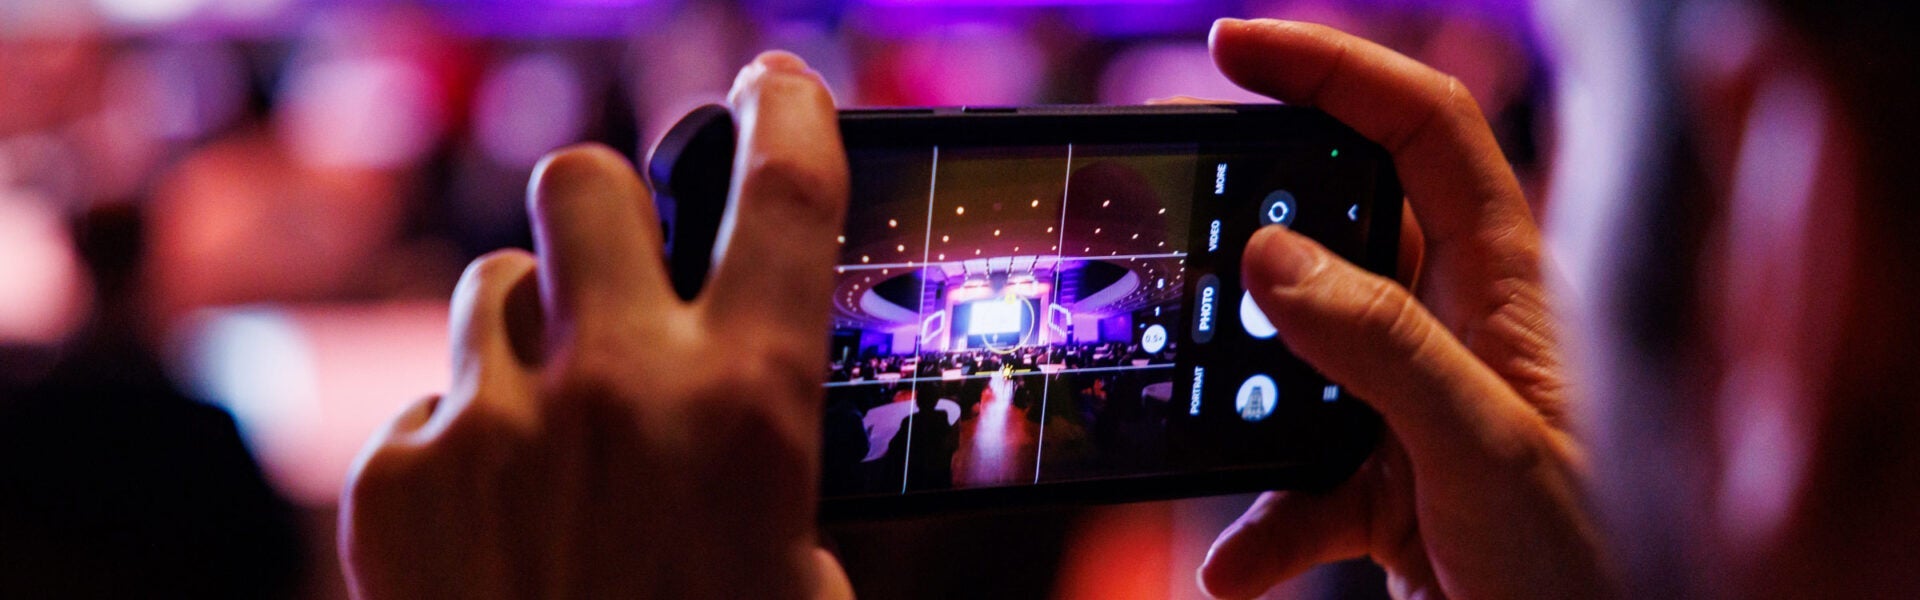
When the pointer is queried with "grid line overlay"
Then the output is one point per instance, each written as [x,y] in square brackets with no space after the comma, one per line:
[926,246]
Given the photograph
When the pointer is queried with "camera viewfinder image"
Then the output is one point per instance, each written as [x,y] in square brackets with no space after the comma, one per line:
[1006,316]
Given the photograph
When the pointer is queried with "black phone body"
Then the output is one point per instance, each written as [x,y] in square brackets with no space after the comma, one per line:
[1043,305]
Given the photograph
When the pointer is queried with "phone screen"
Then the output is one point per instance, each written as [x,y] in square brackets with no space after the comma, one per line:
[1011,316]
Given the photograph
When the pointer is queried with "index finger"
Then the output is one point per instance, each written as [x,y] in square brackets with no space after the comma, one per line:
[1454,173]
[776,248]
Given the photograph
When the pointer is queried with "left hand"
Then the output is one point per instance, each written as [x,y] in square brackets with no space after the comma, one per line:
[604,439]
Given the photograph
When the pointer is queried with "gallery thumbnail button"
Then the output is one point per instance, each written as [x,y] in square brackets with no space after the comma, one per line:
[1257,396]
[1206,314]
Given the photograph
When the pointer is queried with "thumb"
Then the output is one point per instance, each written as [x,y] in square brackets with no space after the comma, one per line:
[1370,335]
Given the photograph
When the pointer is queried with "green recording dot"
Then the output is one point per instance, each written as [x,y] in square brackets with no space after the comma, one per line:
[1336,153]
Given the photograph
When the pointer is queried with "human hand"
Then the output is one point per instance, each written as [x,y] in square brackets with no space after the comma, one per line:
[604,439]
[1477,490]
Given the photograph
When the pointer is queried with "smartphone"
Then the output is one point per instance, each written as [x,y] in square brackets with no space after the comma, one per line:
[1043,305]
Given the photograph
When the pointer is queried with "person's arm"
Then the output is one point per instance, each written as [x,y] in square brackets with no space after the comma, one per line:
[602,438]
[1477,492]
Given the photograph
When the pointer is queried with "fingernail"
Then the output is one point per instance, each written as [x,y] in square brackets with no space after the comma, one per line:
[766,62]
[1200,581]
[1281,257]
[1208,582]
[781,60]
[1216,568]
[416,416]
[1221,25]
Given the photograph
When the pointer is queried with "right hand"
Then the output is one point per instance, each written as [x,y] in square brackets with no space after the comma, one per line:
[1477,490]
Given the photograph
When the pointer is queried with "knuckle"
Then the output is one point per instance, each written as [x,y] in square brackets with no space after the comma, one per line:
[601,344]
[779,369]
[1450,114]
[601,377]
[1459,105]
[791,367]
[382,478]
[572,168]
[488,418]
[591,375]
[754,408]
[500,266]
[1524,451]
[576,161]
[754,441]
[393,455]
[490,276]
[780,59]
[762,381]
[733,411]
[812,183]
[791,83]
[772,85]
[1395,317]
[1324,34]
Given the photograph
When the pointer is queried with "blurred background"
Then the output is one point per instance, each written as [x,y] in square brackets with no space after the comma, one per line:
[228,229]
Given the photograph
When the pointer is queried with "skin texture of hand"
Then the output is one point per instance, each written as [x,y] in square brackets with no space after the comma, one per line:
[1477,491]
[602,438]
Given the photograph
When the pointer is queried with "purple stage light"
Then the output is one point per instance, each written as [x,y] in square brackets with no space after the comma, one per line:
[939,3]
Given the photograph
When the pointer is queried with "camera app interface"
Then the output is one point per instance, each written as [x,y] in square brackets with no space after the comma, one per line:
[1022,315]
